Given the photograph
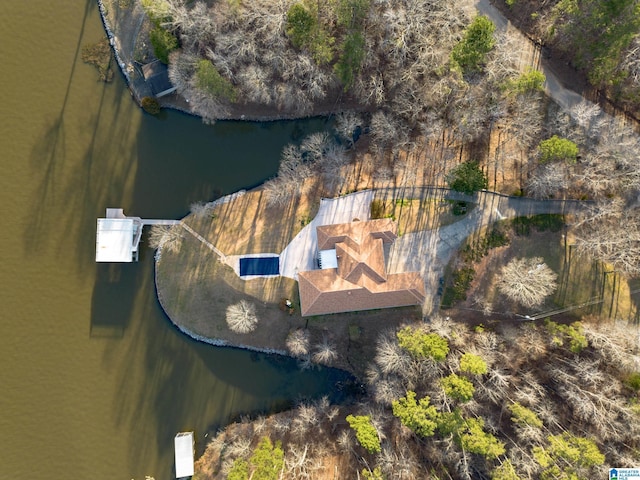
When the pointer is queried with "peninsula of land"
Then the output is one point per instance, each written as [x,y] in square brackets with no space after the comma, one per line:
[464,237]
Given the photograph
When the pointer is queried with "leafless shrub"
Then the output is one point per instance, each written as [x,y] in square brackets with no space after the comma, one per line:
[325,352]
[298,342]
[333,413]
[282,423]
[315,145]
[548,181]
[390,357]
[240,448]
[495,386]
[345,440]
[305,417]
[241,317]
[166,237]
[346,124]
[527,281]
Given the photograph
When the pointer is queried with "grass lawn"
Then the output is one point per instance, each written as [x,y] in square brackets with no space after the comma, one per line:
[413,214]
[580,280]
[247,224]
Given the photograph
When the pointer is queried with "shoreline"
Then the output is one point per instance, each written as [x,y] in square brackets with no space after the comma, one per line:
[178,103]
[210,341]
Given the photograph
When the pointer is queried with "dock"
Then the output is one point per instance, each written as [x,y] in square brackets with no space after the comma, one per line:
[118,236]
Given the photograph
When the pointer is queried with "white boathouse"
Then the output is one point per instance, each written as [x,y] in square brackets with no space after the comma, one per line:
[118,236]
[184,447]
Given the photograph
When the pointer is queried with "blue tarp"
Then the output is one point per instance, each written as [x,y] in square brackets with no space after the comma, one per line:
[259,266]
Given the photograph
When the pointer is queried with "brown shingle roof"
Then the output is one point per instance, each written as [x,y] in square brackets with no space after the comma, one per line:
[360,282]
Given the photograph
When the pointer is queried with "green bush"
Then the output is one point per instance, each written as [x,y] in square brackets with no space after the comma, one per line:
[211,82]
[460,208]
[163,42]
[301,24]
[375,474]
[470,52]
[528,82]
[523,416]
[558,149]
[574,333]
[467,178]
[150,105]
[267,460]
[451,423]
[505,472]
[457,387]
[473,364]
[597,33]
[421,344]
[419,417]
[239,470]
[633,381]
[351,13]
[366,433]
[460,282]
[566,455]
[476,440]
[496,237]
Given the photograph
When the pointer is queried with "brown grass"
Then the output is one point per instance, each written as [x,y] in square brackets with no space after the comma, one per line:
[195,289]
[580,280]
[247,224]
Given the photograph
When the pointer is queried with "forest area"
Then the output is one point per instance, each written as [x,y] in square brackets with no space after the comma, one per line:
[433,91]
[599,39]
[445,401]
[432,86]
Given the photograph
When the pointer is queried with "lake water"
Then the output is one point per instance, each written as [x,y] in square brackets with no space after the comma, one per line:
[95,379]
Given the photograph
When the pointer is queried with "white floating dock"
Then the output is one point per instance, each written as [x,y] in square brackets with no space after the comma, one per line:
[184,446]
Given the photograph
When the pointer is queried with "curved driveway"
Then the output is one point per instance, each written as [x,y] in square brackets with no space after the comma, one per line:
[300,254]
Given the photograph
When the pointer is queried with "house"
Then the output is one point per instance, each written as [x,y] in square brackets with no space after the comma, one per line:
[156,74]
[352,273]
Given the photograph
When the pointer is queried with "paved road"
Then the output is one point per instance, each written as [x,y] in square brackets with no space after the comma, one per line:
[531,56]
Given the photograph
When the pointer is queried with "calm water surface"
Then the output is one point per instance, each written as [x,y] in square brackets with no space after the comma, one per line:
[95,380]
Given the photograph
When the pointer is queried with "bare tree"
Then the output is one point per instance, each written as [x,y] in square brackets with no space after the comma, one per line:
[241,317]
[166,237]
[549,180]
[298,342]
[610,232]
[527,281]
[346,124]
[325,352]
[612,167]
